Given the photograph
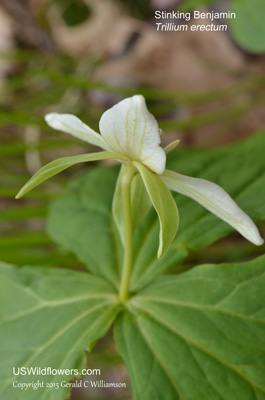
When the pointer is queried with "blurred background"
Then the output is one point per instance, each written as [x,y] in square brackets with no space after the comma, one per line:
[81,57]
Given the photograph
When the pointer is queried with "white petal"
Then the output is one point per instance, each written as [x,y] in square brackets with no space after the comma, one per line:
[130,129]
[216,200]
[69,123]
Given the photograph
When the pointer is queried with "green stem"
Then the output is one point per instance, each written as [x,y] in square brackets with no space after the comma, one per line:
[128,234]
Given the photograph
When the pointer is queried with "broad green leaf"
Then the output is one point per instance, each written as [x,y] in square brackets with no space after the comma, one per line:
[60,165]
[164,205]
[248,28]
[81,221]
[198,335]
[146,265]
[49,318]
[140,202]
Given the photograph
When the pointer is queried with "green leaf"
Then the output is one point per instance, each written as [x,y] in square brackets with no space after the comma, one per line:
[81,221]
[248,28]
[198,335]
[140,202]
[146,265]
[60,165]
[164,205]
[49,318]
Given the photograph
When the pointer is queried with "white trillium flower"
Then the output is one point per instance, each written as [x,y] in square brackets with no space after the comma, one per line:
[127,128]
[130,134]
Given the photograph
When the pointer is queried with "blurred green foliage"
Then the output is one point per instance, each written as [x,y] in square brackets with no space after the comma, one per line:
[73,12]
[137,8]
[248,29]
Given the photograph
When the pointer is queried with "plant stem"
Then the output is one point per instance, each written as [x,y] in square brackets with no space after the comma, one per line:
[128,233]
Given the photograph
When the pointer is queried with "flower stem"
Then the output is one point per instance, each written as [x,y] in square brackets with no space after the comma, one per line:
[128,234]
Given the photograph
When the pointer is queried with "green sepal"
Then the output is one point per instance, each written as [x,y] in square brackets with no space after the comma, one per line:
[164,205]
[60,165]
[140,202]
